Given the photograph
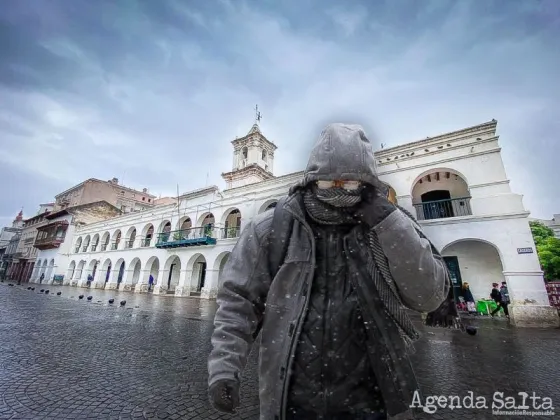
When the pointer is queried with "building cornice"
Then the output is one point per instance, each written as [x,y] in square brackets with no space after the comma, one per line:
[277,180]
[488,184]
[201,192]
[122,187]
[438,162]
[440,148]
[465,132]
[252,169]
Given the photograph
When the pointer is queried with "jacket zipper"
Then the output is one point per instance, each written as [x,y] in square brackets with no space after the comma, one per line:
[327,333]
[295,337]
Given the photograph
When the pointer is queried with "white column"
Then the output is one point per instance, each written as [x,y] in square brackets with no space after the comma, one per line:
[35,274]
[142,285]
[210,289]
[99,281]
[126,284]
[183,288]
[113,277]
[160,288]
[530,306]
[51,274]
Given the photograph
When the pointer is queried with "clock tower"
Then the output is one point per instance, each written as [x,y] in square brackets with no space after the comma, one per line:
[253,158]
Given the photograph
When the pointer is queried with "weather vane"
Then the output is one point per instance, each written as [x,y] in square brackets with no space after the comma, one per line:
[258,115]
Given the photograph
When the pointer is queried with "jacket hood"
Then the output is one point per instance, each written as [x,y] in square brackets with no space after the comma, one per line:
[342,152]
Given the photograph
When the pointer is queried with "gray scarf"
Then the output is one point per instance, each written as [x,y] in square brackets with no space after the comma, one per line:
[331,207]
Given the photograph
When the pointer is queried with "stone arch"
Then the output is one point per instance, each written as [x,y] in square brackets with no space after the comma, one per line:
[92,269]
[130,237]
[36,270]
[206,218]
[86,243]
[118,272]
[231,222]
[105,241]
[147,235]
[95,242]
[133,273]
[105,272]
[171,273]
[164,231]
[206,224]
[151,268]
[476,261]
[267,205]
[71,270]
[197,267]
[79,270]
[434,170]
[219,264]
[184,223]
[44,269]
[50,269]
[440,193]
[116,239]
[78,244]
[164,226]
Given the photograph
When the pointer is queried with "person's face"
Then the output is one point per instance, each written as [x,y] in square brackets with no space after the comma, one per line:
[344,184]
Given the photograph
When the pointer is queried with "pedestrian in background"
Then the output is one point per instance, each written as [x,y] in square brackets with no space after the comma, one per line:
[150,283]
[505,298]
[469,298]
[496,295]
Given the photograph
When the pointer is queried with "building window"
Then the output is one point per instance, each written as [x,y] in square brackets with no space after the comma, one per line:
[143,198]
[122,192]
[245,152]
[149,200]
[264,155]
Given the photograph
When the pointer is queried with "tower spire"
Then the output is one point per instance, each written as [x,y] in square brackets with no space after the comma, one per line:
[258,115]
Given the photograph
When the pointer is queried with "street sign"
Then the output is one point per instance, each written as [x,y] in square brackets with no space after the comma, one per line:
[524,250]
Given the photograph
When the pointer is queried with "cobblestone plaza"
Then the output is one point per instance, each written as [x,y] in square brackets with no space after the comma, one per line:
[66,358]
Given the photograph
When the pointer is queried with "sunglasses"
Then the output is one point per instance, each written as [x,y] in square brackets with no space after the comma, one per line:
[347,185]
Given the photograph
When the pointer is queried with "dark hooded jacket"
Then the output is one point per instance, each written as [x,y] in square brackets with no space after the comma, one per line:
[250,293]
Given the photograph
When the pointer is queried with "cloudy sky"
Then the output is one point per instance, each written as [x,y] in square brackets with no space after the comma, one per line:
[152,92]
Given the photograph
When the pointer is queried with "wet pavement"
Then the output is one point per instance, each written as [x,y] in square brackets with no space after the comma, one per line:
[65,358]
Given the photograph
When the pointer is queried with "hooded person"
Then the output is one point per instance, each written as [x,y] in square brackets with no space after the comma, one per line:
[325,278]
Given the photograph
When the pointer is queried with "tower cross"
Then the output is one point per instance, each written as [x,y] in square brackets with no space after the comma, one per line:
[258,115]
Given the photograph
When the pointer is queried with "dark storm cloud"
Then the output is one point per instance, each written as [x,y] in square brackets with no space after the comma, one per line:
[153,91]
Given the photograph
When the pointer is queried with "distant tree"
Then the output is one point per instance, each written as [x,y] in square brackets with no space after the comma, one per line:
[548,250]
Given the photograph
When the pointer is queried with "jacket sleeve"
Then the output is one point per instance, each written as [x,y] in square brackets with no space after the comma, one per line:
[245,284]
[419,271]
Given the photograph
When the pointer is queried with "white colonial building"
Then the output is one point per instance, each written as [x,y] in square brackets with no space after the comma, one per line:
[455,184]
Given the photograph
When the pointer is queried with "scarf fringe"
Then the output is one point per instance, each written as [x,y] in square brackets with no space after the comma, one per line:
[446,315]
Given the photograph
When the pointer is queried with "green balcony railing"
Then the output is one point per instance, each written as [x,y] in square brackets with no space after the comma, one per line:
[230,232]
[146,242]
[196,236]
[442,209]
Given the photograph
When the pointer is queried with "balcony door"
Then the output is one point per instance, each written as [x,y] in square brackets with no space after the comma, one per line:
[455,274]
[434,207]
